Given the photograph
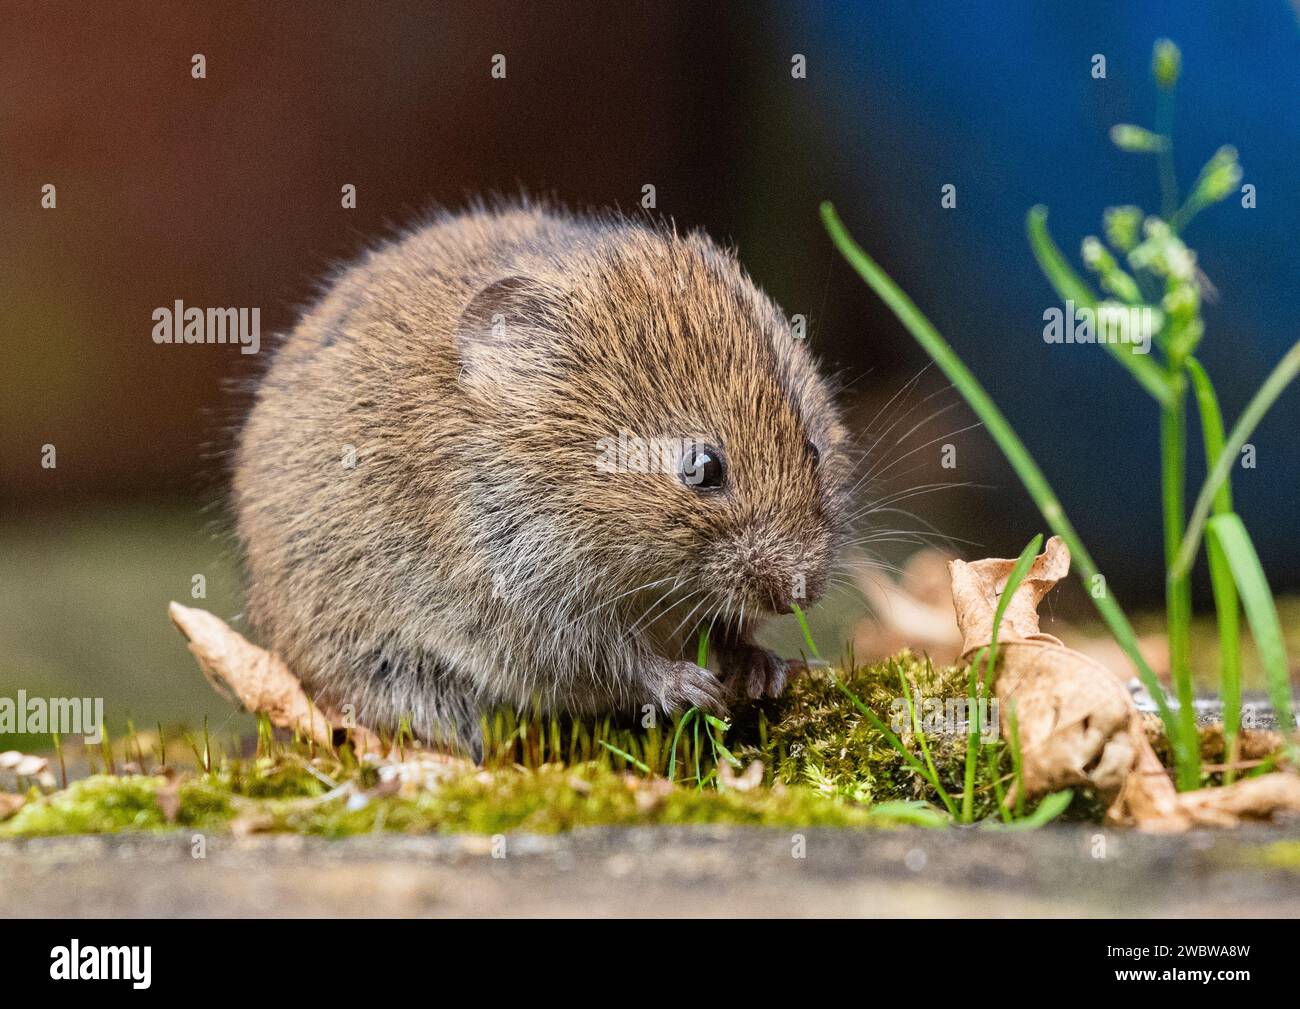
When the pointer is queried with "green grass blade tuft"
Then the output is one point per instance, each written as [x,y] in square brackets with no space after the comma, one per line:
[1227,606]
[1279,378]
[1230,533]
[1049,809]
[1018,572]
[638,764]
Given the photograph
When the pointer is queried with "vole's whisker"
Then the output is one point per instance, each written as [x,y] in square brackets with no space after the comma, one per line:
[652,612]
[889,499]
[897,536]
[871,564]
[921,423]
[929,528]
[622,595]
[685,621]
[723,611]
[933,441]
[875,444]
[903,390]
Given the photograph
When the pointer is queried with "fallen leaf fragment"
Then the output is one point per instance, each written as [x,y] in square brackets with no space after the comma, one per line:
[649,793]
[10,804]
[257,679]
[750,779]
[262,683]
[1247,799]
[250,822]
[916,612]
[1078,725]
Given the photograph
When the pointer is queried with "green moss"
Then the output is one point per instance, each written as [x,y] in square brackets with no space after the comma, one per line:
[108,803]
[275,778]
[554,798]
[817,739]
[1279,855]
[543,800]
[825,765]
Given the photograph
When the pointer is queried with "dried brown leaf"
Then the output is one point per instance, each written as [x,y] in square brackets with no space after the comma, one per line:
[261,682]
[10,804]
[1077,723]
[256,679]
[751,779]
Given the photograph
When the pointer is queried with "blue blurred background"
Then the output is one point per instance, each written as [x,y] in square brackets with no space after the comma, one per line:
[998,100]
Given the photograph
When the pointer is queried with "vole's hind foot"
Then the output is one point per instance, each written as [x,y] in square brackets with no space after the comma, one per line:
[682,685]
[749,671]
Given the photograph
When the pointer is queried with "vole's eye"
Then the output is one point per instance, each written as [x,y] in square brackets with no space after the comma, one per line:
[702,467]
[813,453]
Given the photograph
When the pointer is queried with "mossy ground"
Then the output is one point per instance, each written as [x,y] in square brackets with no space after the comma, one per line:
[823,764]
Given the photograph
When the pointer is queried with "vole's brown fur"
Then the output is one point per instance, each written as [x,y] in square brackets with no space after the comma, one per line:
[476,553]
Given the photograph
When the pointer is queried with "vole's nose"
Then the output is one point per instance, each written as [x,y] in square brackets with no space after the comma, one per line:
[778,572]
[782,597]
[800,590]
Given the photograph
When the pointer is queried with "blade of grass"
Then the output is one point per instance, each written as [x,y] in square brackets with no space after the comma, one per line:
[919,732]
[916,814]
[1021,461]
[639,765]
[702,658]
[1049,809]
[1279,378]
[807,634]
[1257,600]
[717,729]
[695,751]
[1226,604]
[1071,287]
[689,714]
[1165,156]
[1018,571]
[972,744]
[999,792]
[1178,590]
[1017,757]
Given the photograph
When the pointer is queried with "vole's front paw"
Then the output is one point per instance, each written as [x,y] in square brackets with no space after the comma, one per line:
[752,672]
[682,685]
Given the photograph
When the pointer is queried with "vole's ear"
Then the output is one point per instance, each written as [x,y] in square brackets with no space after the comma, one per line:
[503,331]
